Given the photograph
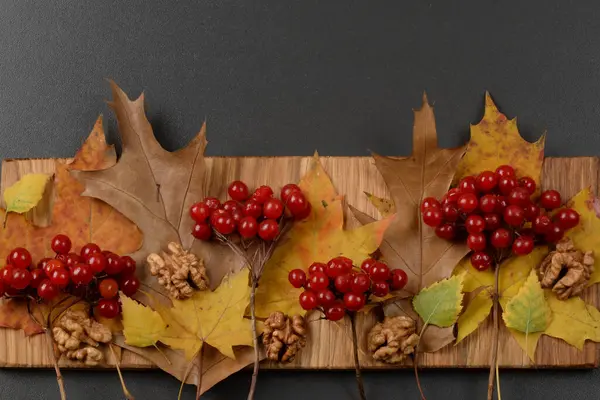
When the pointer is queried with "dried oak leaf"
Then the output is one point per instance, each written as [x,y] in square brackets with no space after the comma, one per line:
[155,188]
[320,237]
[81,218]
[495,141]
[408,243]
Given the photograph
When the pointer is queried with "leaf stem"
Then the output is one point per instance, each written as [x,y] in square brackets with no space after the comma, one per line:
[126,393]
[200,373]
[359,379]
[496,320]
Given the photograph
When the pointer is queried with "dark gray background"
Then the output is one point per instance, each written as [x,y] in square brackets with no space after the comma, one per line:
[287,77]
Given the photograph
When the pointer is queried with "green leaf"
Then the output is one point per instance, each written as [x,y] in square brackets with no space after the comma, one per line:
[441,303]
[528,311]
[26,193]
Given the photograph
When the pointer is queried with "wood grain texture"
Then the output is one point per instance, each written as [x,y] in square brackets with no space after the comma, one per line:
[330,344]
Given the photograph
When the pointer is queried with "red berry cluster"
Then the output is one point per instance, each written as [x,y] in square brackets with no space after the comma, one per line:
[495,211]
[248,215]
[338,286]
[92,274]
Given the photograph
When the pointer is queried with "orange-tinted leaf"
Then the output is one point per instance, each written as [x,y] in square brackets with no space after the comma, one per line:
[14,314]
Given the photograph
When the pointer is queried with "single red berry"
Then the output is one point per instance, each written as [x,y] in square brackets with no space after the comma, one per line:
[380,289]
[60,277]
[202,231]
[319,281]
[51,264]
[505,171]
[343,283]
[2,288]
[433,217]
[200,212]
[487,203]
[506,185]
[214,215]
[42,263]
[297,203]
[475,224]
[114,264]
[37,276]
[481,260]
[46,290]
[308,300]
[335,312]
[326,298]
[550,199]
[317,267]
[446,231]
[61,244]
[450,212]
[237,216]
[399,279]
[273,208]
[96,261]
[248,227]
[541,224]
[252,209]
[467,185]
[476,241]
[89,249]
[361,283]
[554,233]
[268,230]
[467,203]
[20,278]
[61,257]
[501,238]
[380,272]
[430,202]
[531,211]
[514,215]
[528,183]
[20,258]
[81,274]
[238,191]
[368,264]
[108,288]
[304,214]
[297,278]
[519,197]
[522,245]
[6,273]
[452,196]
[129,285]
[287,190]
[566,218]
[486,181]
[338,266]
[501,204]
[354,301]
[224,223]
[212,203]
[262,194]
[231,205]
[108,308]
[129,265]
[73,259]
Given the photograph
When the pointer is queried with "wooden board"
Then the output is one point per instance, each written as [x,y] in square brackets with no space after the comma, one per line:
[329,344]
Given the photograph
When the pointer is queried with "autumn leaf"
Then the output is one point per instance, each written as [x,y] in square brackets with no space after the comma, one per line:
[142,326]
[155,188]
[319,237]
[441,303]
[528,311]
[495,141]
[26,193]
[475,313]
[474,279]
[573,320]
[14,315]
[385,207]
[408,243]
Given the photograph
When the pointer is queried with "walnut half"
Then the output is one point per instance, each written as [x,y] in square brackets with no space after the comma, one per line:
[392,340]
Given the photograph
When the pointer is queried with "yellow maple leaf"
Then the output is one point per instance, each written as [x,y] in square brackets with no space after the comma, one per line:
[142,326]
[528,311]
[495,141]
[477,311]
[474,279]
[384,206]
[320,237]
[573,320]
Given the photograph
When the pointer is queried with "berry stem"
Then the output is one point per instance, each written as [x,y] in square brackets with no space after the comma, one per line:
[496,319]
[254,336]
[59,377]
[359,379]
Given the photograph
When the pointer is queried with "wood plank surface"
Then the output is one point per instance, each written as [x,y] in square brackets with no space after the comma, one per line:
[330,344]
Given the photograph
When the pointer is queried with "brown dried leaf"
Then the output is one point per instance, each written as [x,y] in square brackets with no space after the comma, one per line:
[14,314]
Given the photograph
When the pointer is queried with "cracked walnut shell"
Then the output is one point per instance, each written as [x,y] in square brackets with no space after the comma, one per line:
[566,270]
[392,340]
[283,336]
[179,271]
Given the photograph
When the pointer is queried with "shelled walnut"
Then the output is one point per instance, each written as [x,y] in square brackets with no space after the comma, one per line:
[392,340]
[566,270]
[179,271]
[283,336]
[78,337]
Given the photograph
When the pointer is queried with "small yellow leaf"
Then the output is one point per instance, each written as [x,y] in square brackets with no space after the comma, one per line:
[476,311]
[26,193]
[573,320]
[441,303]
[474,279]
[385,207]
[528,311]
[515,270]
[496,140]
[141,325]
